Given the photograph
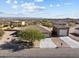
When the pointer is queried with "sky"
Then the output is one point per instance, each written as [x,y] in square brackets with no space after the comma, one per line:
[40,8]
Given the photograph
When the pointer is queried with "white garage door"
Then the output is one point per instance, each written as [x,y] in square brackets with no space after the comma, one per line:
[63,32]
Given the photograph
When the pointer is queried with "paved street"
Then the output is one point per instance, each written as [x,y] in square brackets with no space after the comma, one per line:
[37,52]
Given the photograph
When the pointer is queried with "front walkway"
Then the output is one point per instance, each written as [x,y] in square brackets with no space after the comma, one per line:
[72,43]
[47,43]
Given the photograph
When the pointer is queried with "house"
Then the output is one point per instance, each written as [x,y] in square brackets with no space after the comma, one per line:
[60,22]
[23,23]
[76,31]
[60,30]
[18,23]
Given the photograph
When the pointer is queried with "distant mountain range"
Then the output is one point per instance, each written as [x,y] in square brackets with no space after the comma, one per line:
[29,18]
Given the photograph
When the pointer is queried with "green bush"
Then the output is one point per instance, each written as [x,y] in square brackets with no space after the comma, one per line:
[46,23]
[71,24]
[31,35]
[1,33]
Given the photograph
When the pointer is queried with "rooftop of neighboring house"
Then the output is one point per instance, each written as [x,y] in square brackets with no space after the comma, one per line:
[60,22]
[61,26]
[77,28]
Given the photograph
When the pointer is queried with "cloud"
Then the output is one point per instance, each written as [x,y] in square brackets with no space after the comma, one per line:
[38,0]
[15,2]
[67,3]
[51,5]
[14,6]
[11,1]
[31,7]
[58,5]
[1,12]
[8,1]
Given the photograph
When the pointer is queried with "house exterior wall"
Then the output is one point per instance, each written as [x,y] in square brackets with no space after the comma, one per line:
[76,31]
[63,32]
[23,22]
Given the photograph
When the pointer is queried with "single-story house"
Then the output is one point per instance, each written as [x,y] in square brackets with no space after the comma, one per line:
[60,30]
[76,31]
[60,22]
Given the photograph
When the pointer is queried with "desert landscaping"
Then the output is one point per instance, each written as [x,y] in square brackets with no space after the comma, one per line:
[38,36]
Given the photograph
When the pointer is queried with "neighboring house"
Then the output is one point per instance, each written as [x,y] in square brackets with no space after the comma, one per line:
[60,30]
[60,22]
[77,22]
[23,23]
[17,23]
[4,23]
[76,31]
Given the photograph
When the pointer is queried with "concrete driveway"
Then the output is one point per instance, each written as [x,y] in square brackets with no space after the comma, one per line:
[47,43]
[72,43]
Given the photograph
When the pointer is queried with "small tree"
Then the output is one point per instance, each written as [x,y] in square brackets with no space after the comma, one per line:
[46,23]
[1,33]
[31,35]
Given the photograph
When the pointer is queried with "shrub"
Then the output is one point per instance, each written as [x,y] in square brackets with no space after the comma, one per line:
[1,33]
[46,23]
[31,35]
[71,24]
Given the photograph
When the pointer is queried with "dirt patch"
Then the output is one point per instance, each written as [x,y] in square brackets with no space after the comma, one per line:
[37,44]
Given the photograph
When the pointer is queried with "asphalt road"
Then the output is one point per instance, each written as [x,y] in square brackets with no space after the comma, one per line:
[41,53]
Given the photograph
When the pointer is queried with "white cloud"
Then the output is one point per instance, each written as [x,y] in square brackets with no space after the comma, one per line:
[8,1]
[58,5]
[38,0]
[51,5]
[14,6]
[11,1]
[32,7]
[67,3]
[15,2]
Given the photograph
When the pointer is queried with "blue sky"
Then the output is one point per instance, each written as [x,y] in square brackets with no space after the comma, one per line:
[40,8]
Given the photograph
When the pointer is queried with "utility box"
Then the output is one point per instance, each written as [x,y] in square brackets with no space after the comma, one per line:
[60,30]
